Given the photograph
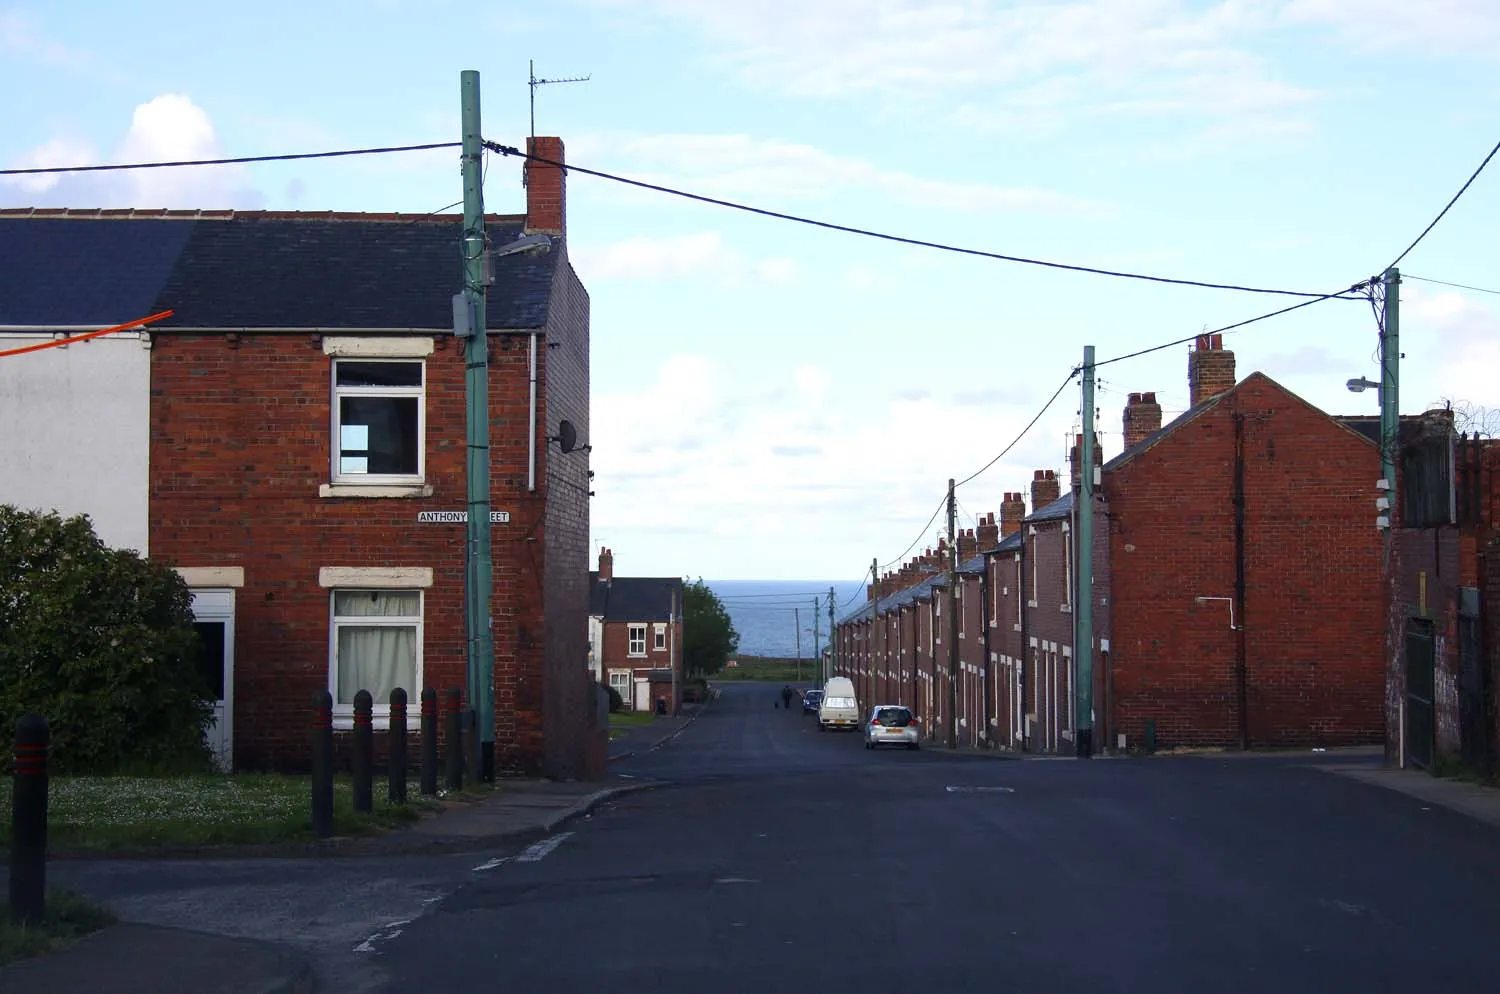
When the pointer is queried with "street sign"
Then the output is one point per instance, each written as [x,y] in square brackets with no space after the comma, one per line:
[458,517]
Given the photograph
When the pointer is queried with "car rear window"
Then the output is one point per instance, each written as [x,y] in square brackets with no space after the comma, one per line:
[893,717]
[838,702]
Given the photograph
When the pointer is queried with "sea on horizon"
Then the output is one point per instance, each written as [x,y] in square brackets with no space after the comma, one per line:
[767,613]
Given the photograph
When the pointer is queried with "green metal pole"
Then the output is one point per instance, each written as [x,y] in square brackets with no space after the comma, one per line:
[952,704]
[1390,385]
[1083,558]
[481,640]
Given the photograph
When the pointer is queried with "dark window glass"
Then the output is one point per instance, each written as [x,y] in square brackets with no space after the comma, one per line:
[379,374]
[210,661]
[388,445]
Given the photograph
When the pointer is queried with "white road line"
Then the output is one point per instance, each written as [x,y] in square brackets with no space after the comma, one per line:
[500,861]
[539,851]
[981,790]
[386,934]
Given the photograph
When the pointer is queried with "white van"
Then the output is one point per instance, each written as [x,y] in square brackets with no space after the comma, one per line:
[839,709]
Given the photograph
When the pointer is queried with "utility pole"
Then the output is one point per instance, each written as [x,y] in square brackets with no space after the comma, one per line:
[874,619]
[672,650]
[818,644]
[479,578]
[1083,558]
[797,623]
[1390,438]
[833,645]
[952,617]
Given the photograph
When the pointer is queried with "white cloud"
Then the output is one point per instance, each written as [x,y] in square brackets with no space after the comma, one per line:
[1442,26]
[702,254]
[1452,345]
[730,165]
[168,128]
[709,453]
[22,34]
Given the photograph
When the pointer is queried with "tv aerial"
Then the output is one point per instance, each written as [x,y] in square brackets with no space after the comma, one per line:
[535,82]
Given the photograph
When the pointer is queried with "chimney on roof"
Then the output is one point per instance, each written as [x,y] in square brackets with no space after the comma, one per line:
[1012,513]
[546,187]
[987,535]
[967,545]
[1142,417]
[1075,477]
[1210,369]
[606,564]
[1045,489]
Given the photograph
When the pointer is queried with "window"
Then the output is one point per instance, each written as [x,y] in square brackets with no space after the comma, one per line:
[376,646]
[1067,538]
[620,681]
[1032,600]
[378,420]
[661,637]
[637,640]
[1019,619]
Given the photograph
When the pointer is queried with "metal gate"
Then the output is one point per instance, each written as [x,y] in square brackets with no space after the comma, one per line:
[1419,693]
[1473,686]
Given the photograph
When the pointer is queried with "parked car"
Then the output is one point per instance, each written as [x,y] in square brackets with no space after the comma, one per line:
[892,724]
[811,701]
[839,707]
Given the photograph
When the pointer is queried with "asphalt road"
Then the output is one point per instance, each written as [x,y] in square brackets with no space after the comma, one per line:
[784,859]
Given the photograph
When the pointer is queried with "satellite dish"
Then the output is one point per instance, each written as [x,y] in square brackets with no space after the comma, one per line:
[567,436]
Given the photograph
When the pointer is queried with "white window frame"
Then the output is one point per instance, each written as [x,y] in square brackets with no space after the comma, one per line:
[630,649]
[343,716]
[1067,540]
[659,638]
[625,687]
[397,352]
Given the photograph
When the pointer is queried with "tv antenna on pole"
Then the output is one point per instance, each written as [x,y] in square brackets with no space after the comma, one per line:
[547,82]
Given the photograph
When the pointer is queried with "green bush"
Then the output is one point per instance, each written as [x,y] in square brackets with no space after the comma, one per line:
[101,642]
[616,702]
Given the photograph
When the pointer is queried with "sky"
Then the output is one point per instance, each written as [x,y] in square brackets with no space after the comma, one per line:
[773,400]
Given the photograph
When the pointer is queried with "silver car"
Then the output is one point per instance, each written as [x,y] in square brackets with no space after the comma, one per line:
[892,724]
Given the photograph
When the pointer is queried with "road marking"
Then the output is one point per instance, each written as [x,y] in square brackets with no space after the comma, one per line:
[386,934]
[500,861]
[981,790]
[735,880]
[539,851]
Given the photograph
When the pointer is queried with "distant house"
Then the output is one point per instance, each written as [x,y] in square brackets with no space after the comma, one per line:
[635,635]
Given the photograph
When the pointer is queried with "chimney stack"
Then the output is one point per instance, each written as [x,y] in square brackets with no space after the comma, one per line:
[1012,513]
[987,536]
[546,188]
[1075,478]
[1142,417]
[1045,489]
[1210,369]
[606,564]
[967,545]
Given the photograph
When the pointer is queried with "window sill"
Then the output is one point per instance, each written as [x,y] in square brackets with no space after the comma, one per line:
[1031,603]
[1065,608]
[1016,626]
[375,490]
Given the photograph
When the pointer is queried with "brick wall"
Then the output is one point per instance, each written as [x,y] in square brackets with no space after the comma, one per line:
[567,711]
[1313,615]
[1427,587]
[240,443]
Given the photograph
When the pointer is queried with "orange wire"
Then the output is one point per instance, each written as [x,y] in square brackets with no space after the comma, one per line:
[138,322]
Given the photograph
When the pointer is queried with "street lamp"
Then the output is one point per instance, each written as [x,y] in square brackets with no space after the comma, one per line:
[1360,385]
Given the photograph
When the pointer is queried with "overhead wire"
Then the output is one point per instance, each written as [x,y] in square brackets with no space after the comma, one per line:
[920,535]
[1446,207]
[1029,425]
[237,160]
[884,236]
[1460,286]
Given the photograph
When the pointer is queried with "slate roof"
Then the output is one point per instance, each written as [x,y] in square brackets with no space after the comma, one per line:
[256,269]
[633,598]
[1011,543]
[1412,426]
[1058,510]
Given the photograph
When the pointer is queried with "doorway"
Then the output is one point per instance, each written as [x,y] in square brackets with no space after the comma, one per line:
[213,618]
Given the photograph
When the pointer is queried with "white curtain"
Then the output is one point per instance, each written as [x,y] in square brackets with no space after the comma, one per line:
[377,658]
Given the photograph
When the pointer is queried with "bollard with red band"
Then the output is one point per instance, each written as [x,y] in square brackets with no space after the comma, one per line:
[322,764]
[364,752]
[454,720]
[429,743]
[396,764]
[28,839]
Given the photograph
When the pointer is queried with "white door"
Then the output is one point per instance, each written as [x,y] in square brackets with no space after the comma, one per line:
[213,617]
[642,694]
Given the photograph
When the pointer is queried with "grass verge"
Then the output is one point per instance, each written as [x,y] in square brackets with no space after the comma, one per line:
[803,675]
[68,918]
[110,813]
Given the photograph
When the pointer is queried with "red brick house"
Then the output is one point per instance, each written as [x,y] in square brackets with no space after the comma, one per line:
[635,635]
[306,457]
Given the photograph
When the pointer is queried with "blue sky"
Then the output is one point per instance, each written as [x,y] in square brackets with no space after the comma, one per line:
[774,401]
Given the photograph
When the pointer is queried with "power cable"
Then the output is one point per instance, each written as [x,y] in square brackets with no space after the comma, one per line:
[885,236]
[44,170]
[1029,425]
[920,535]
[1461,286]
[1446,207]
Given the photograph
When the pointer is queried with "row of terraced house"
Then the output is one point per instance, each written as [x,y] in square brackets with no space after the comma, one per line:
[1244,594]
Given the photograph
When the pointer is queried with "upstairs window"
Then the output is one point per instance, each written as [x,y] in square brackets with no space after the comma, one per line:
[378,420]
[637,640]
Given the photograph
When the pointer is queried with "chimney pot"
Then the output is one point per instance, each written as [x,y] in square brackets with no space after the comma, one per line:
[546,187]
[1142,417]
[1210,369]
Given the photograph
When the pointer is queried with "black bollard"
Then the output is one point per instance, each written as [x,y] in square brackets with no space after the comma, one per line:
[429,743]
[475,763]
[28,839]
[322,764]
[364,752]
[396,772]
[455,754]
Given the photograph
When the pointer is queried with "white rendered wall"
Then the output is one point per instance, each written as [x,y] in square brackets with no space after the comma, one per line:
[75,432]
